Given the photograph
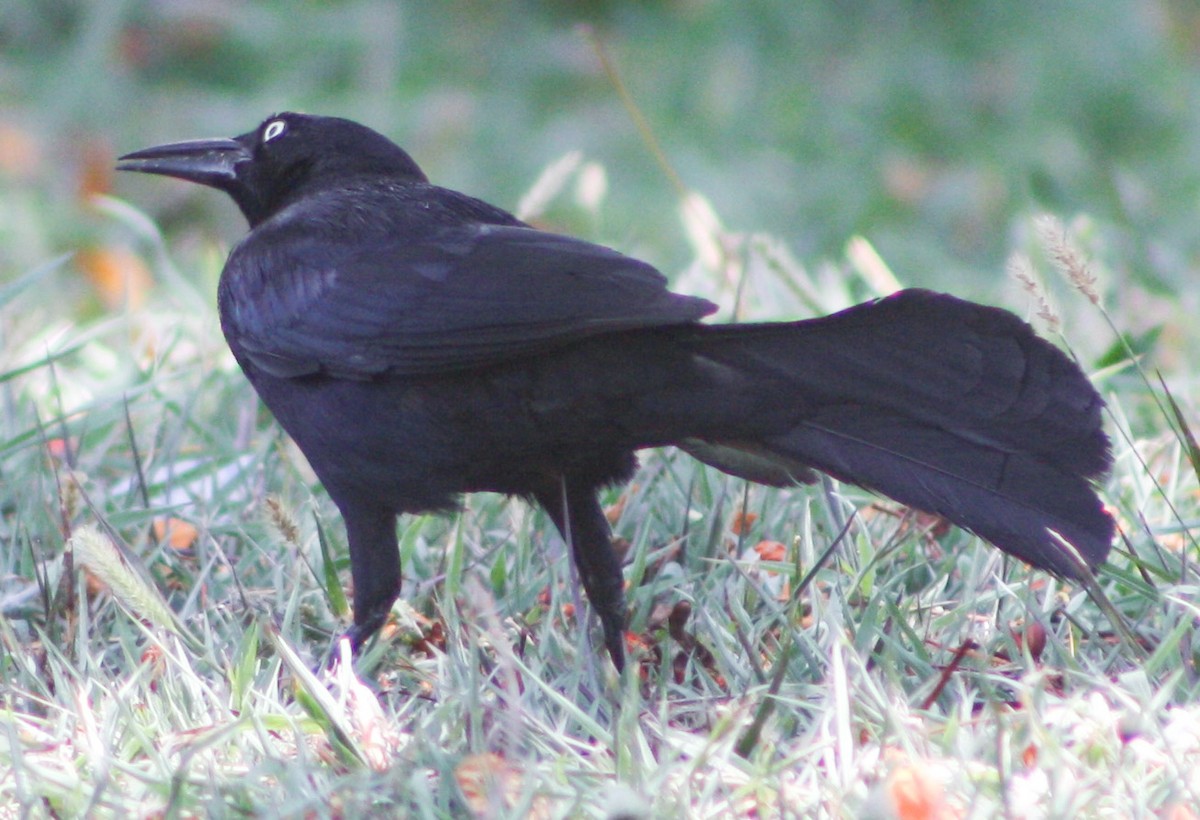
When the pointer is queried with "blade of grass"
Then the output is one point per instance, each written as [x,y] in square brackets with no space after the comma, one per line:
[11,290]
[1182,429]
[333,584]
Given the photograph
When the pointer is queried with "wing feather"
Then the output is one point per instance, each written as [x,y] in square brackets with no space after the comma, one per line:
[464,297]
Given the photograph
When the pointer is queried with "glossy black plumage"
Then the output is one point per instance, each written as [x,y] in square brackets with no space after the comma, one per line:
[418,344]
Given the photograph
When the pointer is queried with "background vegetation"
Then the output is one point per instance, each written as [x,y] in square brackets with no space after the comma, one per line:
[917,674]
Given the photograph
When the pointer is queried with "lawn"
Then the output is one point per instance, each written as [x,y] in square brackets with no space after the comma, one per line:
[171,571]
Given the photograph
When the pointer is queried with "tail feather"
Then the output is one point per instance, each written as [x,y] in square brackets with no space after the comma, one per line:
[947,406]
[1016,501]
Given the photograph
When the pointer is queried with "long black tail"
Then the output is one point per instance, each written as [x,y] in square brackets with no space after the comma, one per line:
[947,406]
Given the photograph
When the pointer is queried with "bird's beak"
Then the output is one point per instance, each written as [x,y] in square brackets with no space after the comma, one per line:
[210,162]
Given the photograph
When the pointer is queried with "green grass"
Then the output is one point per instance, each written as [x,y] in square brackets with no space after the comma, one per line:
[902,659]
[909,663]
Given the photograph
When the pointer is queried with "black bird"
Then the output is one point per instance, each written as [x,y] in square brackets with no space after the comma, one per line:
[418,344]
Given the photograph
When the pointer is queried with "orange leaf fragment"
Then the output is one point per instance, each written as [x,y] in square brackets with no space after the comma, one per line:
[1178,811]
[179,534]
[59,448]
[915,796]
[488,782]
[771,551]
[95,170]
[742,522]
[117,273]
[20,155]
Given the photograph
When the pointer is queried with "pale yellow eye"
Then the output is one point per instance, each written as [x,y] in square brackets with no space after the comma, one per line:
[273,130]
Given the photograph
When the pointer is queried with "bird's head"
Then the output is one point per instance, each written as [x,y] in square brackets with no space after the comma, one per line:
[288,155]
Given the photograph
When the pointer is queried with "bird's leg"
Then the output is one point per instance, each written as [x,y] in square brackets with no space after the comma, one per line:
[578,516]
[374,565]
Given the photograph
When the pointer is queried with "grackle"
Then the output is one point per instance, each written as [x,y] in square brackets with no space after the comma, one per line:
[418,344]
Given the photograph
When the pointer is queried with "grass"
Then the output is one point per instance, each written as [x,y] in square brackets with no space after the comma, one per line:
[915,672]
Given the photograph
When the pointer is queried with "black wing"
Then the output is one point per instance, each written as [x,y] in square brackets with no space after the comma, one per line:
[458,298]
